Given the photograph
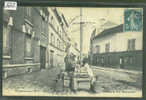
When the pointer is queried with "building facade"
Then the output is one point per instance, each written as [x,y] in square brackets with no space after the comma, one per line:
[57,38]
[34,38]
[113,47]
[24,40]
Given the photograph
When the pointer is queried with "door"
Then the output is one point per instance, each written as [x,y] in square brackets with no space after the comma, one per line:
[51,58]
[42,57]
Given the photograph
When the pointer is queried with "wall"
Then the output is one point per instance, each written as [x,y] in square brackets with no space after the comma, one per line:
[58,52]
[17,64]
[56,29]
[119,42]
[119,48]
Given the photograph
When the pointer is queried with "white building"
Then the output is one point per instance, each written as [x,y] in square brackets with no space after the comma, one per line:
[113,43]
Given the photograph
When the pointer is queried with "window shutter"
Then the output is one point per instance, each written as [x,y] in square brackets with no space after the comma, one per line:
[43,15]
[28,31]
[133,44]
[33,34]
[41,12]
[10,21]
[46,18]
[24,28]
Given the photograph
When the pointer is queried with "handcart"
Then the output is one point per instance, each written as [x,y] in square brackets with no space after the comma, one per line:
[77,80]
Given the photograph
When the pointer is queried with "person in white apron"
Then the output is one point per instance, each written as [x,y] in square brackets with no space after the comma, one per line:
[90,73]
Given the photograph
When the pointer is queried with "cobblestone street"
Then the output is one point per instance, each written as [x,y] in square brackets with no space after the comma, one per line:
[44,81]
[117,80]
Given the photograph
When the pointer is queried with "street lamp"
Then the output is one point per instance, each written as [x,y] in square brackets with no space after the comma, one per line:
[82,24]
[81,36]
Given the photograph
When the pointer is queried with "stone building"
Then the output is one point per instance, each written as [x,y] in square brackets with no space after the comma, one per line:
[34,38]
[57,38]
[25,39]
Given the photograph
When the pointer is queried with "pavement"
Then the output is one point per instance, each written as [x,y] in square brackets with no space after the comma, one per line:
[45,81]
[117,80]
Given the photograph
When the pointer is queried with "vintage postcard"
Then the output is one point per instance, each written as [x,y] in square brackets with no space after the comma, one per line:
[73,51]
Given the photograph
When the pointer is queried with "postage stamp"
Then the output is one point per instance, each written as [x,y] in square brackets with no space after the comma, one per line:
[133,19]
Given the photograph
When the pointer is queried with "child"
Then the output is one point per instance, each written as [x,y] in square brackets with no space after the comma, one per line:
[91,75]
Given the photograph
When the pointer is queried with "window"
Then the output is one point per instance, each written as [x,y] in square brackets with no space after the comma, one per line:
[97,49]
[130,60]
[131,44]
[43,27]
[52,38]
[58,29]
[63,36]
[51,19]
[28,11]
[6,41]
[58,43]
[28,45]
[28,42]
[107,47]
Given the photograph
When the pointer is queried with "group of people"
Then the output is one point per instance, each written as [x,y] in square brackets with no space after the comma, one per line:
[73,64]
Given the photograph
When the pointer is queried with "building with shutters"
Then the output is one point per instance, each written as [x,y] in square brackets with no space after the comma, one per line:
[34,38]
[59,38]
[113,47]
[25,40]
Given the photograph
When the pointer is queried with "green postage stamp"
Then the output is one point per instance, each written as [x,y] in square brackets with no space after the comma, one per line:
[133,20]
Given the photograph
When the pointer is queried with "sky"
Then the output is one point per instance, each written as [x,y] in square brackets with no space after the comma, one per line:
[92,15]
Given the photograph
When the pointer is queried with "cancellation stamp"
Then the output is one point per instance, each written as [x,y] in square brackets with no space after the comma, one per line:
[133,20]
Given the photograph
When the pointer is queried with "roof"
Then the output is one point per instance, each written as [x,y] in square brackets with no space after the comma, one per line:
[57,15]
[110,31]
[64,20]
[93,34]
[109,24]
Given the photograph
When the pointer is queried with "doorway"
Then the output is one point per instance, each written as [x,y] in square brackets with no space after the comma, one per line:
[51,58]
[42,57]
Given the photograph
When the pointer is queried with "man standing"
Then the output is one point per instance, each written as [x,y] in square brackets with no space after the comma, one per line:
[69,67]
[67,61]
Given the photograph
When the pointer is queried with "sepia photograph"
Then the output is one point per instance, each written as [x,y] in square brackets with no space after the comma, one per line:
[72,51]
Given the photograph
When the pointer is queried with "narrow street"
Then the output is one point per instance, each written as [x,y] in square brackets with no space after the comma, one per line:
[109,81]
